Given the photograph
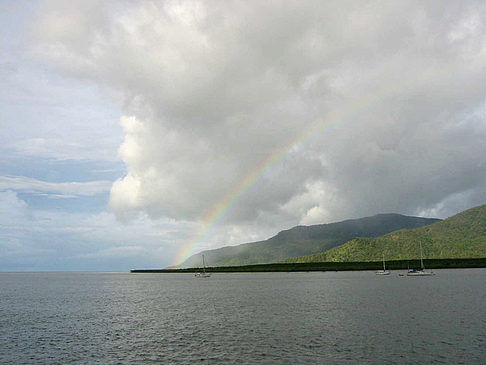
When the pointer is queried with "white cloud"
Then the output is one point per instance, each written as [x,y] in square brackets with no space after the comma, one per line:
[44,114]
[215,91]
[46,240]
[12,209]
[67,189]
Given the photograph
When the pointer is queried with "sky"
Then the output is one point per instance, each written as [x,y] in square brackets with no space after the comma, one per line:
[136,133]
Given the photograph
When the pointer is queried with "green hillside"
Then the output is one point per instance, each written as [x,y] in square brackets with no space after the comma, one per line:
[460,236]
[305,240]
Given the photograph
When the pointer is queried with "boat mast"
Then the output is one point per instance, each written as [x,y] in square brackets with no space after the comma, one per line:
[384,262]
[421,258]
[204,265]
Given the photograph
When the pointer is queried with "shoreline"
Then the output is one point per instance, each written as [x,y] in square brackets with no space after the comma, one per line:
[331,266]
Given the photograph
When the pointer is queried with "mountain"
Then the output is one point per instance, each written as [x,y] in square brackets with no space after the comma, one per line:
[305,240]
[460,236]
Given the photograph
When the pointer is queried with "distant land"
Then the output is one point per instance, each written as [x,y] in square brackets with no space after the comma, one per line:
[329,266]
[306,240]
[458,237]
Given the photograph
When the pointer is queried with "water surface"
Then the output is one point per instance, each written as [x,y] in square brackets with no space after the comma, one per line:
[243,318]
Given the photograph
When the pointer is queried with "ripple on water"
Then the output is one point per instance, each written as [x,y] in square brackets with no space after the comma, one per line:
[345,318]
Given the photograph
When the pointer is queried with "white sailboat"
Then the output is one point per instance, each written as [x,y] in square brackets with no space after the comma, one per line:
[422,271]
[203,273]
[384,271]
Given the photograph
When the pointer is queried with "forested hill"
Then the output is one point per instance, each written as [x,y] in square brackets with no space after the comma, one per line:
[305,240]
[460,236]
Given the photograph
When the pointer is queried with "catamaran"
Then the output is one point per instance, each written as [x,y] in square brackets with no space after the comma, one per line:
[384,271]
[421,272]
[203,273]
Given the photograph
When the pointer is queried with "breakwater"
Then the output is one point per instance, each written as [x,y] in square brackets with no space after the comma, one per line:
[333,266]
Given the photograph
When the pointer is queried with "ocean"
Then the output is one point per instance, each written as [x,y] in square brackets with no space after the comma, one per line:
[243,318]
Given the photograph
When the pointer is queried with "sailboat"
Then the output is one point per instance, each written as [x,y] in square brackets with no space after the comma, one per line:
[384,271]
[421,272]
[203,273]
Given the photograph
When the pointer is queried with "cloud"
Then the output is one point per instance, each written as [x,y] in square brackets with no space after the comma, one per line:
[287,111]
[12,209]
[33,239]
[57,189]
[42,113]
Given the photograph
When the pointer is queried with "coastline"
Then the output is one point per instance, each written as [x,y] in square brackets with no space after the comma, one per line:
[331,266]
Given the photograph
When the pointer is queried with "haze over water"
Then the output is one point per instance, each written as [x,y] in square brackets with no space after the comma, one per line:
[245,318]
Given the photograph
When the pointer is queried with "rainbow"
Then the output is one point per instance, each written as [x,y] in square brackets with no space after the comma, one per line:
[219,209]
[316,128]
